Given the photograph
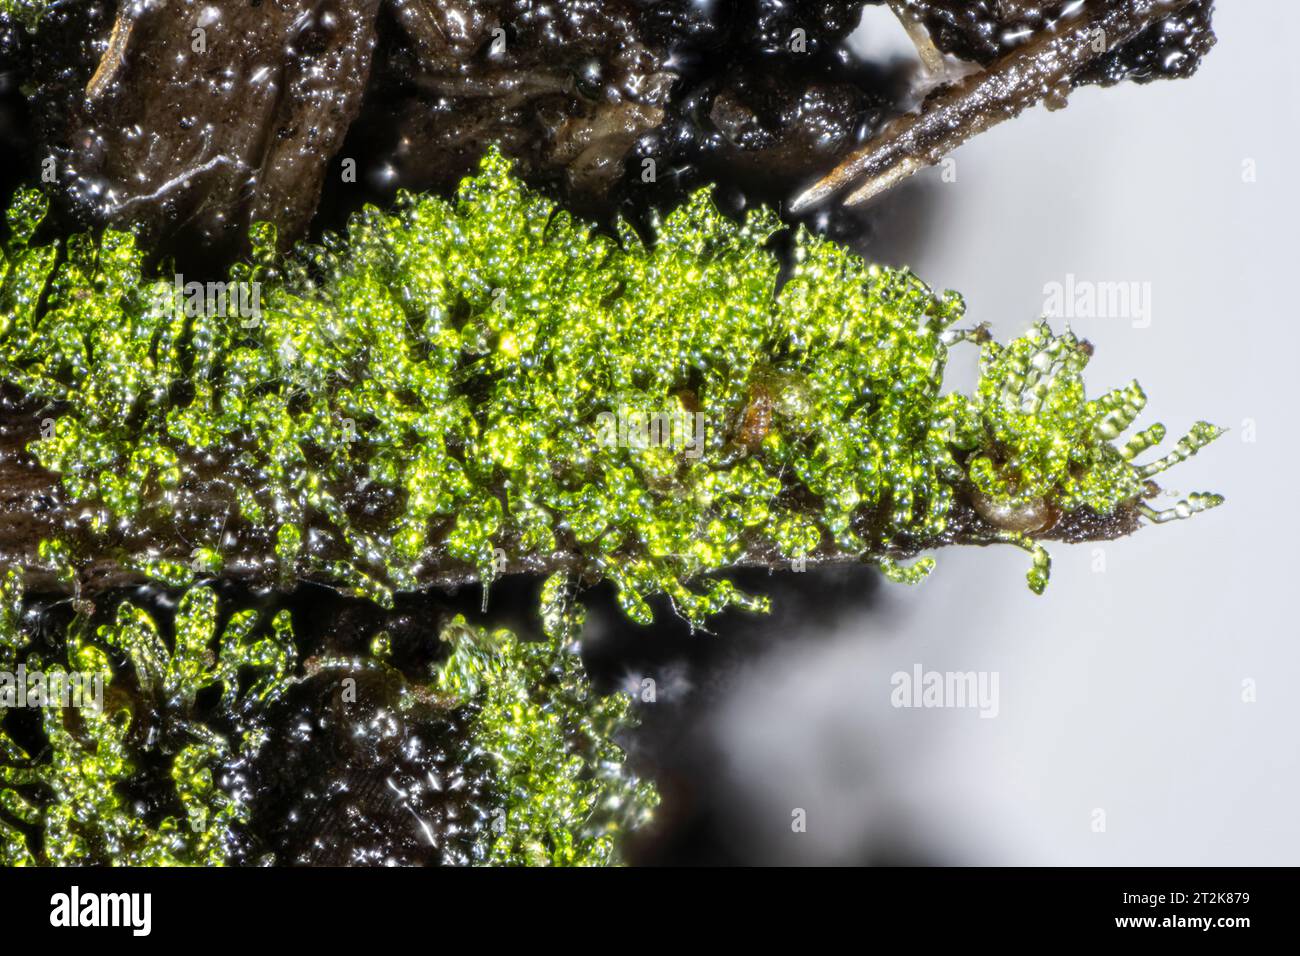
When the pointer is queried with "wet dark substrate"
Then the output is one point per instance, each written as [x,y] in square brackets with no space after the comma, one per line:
[301,113]
[579,93]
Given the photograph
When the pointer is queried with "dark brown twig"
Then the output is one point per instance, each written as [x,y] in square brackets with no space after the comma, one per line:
[1043,69]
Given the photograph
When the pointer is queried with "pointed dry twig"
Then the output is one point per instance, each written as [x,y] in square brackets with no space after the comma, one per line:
[932,58]
[115,55]
[1042,69]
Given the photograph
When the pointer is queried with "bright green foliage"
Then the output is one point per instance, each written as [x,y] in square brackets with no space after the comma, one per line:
[1048,441]
[466,359]
[566,796]
[73,790]
[175,677]
[1036,446]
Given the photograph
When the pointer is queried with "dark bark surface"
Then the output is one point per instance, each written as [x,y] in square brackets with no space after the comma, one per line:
[301,111]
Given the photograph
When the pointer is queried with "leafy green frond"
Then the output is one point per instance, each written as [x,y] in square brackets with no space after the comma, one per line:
[488,382]
[74,791]
[565,794]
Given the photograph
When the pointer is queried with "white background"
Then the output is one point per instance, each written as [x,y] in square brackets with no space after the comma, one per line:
[1122,690]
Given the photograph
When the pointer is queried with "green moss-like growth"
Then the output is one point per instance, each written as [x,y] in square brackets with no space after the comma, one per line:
[135,781]
[565,796]
[484,370]
[73,791]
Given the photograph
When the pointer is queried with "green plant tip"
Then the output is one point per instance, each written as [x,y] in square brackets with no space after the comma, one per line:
[489,383]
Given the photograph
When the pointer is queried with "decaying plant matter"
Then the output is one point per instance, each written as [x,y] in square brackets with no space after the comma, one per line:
[191,120]
[1031,53]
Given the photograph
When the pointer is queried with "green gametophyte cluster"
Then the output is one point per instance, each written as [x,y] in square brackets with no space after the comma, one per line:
[566,796]
[65,799]
[158,772]
[432,392]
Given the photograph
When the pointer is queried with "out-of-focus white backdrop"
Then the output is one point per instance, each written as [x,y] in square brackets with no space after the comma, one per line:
[1121,690]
